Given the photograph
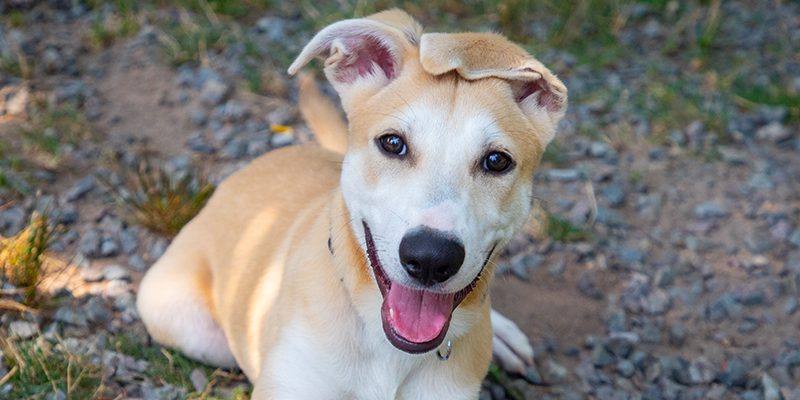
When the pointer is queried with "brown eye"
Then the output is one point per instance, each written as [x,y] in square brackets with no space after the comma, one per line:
[393,144]
[497,162]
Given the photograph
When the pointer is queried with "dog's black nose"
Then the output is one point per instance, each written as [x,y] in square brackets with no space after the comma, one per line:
[430,256]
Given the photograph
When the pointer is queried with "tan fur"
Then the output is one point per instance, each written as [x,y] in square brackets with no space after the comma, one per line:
[255,263]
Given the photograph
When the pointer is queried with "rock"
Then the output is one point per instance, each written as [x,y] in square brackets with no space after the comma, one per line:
[773,132]
[732,155]
[234,111]
[89,243]
[599,149]
[137,263]
[129,241]
[701,371]
[214,92]
[56,395]
[158,248]
[734,373]
[621,344]
[166,392]
[533,376]
[109,247]
[758,243]
[52,61]
[79,189]
[725,306]
[234,150]
[563,175]
[72,316]
[677,334]
[198,116]
[22,329]
[555,372]
[97,311]
[658,302]
[114,271]
[749,325]
[601,357]
[771,389]
[794,238]
[197,143]
[199,380]
[625,368]
[587,285]
[614,193]
[274,28]
[280,140]
[790,306]
[710,209]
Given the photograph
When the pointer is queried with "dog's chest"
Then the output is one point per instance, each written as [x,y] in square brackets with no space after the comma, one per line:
[303,367]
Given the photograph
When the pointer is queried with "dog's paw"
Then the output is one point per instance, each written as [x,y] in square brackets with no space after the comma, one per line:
[510,346]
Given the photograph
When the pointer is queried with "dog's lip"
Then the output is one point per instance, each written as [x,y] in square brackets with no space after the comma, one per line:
[385,283]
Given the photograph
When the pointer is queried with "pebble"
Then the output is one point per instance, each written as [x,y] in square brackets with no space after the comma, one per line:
[89,243]
[22,329]
[73,316]
[710,209]
[199,380]
[563,175]
[129,241]
[214,92]
[790,306]
[614,193]
[114,272]
[734,373]
[773,132]
[109,247]
[80,189]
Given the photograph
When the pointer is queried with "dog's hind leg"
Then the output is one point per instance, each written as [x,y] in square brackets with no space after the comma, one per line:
[174,304]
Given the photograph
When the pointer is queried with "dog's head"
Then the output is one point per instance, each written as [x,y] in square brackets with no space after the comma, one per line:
[445,133]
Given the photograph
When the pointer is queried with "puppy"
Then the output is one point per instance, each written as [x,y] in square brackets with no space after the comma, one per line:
[366,276]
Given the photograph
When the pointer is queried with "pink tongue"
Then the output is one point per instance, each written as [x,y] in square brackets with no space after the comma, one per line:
[416,315]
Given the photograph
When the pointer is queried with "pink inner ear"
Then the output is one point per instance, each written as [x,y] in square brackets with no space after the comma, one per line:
[365,52]
[547,98]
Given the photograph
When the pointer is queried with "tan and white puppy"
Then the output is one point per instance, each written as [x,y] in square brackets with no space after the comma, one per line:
[331,278]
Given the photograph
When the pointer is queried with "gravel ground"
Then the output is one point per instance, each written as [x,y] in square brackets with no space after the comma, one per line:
[674,180]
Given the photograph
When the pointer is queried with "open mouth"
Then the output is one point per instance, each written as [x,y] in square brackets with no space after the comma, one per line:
[414,320]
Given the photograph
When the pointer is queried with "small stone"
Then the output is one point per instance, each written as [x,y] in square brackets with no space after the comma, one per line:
[198,116]
[198,144]
[199,380]
[701,371]
[280,140]
[214,92]
[601,357]
[79,189]
[89,243]
[97,311]
[621,344]
[137,263]
[22,329]
[57,395]
[794,238]
[732,155]
[599,149]
[758,243]
[677,334]
[91,274]
[235,149]
[614,193]
[129,241]
[658,302]
[563,175]
[113,272]
[109,247]
[790,306]
[533,376]
[747,326]
[158,248]
[734,373]
[556,372]
[774,132]
[710,209]
[68,315]
[625,368]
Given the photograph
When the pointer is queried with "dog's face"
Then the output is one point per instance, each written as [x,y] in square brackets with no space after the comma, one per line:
[438,173]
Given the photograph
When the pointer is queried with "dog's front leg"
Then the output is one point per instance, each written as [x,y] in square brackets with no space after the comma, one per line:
[510,346]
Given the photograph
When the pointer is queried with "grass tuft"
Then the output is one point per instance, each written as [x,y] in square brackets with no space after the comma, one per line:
[22,256]
[158,200]
[562,230]
[39,370]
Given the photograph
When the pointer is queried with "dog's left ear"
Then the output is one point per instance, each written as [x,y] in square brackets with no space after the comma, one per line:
[541,96]
[363,55]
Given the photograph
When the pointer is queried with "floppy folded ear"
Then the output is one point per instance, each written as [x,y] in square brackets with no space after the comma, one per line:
[541,96]
[362,55]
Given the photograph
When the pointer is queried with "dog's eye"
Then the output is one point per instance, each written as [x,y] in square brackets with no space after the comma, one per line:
[497,162]
[393,144]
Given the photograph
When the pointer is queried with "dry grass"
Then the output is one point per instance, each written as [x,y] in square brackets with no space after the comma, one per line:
[158,200]
[22,256]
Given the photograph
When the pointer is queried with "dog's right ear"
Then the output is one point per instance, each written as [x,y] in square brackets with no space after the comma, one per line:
[363,55]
